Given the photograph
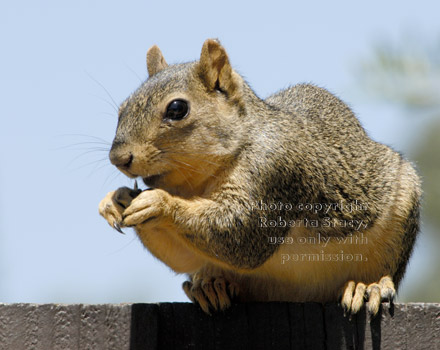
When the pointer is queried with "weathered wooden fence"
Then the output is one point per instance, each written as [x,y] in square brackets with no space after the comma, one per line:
[245,326]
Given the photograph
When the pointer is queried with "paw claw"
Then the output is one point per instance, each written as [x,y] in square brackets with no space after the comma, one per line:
[186,286]
[118,228]
[210,293]
[387,291]
[355,295]
[233,290]
[374,299]
[358,299]
[114,204]
[347,296]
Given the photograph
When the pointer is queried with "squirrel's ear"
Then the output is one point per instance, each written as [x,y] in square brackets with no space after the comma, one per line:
[215,69]
[155,61]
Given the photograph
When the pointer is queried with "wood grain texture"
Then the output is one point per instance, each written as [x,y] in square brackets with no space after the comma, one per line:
[64,327]
[244,326]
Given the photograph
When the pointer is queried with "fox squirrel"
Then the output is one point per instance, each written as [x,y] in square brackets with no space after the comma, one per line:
[282,199]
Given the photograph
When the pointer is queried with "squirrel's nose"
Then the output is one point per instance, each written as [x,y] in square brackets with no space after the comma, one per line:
[120,158]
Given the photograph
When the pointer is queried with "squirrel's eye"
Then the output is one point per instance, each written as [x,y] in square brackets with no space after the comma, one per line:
[177,110]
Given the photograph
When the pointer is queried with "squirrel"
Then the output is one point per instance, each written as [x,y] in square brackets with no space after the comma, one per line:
[281,199]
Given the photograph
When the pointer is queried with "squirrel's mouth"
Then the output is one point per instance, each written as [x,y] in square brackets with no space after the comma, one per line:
[151,181]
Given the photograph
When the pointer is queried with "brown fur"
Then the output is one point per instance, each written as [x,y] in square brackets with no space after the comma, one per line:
[233,150]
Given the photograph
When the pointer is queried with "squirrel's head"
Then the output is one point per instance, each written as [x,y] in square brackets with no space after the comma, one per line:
[183,124]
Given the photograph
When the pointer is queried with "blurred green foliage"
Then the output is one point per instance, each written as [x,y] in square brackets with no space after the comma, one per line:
[407,75]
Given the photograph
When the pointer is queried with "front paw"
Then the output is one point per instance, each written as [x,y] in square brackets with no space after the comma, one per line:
[114,204]
[149,205]
[210,293]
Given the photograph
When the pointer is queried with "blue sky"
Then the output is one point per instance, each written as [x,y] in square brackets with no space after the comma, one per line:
[55,55]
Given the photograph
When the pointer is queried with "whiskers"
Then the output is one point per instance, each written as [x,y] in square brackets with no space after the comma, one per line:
[91,152]
[179,170]
[196,155]
[204,166]
[113,102]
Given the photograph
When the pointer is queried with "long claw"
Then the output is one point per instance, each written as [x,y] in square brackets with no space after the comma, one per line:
[118,228]
[135,185]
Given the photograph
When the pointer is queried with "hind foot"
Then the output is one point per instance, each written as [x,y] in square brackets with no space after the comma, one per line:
[355,295]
